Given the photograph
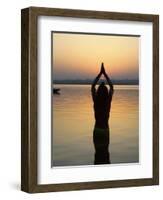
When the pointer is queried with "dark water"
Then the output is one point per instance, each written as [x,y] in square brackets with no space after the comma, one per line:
[73,124]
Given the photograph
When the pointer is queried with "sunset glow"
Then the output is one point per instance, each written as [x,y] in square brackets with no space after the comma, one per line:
[79,56]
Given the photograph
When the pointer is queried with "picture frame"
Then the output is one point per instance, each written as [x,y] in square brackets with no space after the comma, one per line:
[29,99]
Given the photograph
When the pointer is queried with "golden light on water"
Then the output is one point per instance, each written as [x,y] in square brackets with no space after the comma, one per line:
[73,125]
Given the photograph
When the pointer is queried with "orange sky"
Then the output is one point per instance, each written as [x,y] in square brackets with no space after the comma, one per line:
[79,56]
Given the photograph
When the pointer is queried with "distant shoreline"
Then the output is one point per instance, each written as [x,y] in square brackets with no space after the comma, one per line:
[89,82]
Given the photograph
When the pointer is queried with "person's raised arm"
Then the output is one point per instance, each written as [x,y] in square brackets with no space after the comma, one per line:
[93,89]
[108,79]
[96,80]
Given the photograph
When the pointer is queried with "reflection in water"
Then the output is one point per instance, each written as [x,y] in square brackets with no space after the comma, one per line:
[73,124]
[101,139]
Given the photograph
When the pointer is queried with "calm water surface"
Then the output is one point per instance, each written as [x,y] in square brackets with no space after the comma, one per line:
[73,124]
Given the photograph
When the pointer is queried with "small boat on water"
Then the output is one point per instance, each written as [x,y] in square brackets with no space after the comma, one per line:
[56,91]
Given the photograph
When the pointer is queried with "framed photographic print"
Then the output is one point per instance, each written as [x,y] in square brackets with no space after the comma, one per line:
[90,99]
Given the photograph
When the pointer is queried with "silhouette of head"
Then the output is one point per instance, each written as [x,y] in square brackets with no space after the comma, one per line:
[102,93]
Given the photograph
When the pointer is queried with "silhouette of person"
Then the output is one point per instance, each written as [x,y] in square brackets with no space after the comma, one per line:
[102,99]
